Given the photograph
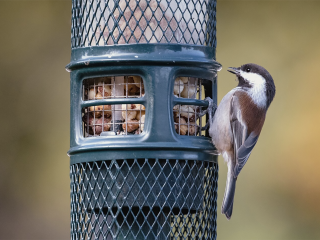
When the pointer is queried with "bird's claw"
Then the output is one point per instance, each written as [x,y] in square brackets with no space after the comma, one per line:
[210,110]
[210,106]
[205,127]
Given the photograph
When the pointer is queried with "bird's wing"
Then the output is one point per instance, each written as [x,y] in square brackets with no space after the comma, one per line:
[243,140]
[244,152]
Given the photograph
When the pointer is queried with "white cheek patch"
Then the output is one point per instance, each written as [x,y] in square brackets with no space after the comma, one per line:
[258,90]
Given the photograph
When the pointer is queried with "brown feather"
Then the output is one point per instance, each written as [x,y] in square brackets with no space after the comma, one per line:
[252,115]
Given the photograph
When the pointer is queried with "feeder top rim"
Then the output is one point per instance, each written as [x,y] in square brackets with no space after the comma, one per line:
[147,54]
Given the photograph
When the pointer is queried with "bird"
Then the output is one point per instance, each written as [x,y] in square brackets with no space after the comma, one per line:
[236,123]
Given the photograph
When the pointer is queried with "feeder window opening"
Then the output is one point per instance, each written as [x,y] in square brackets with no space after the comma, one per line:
[187,118]
[113,119]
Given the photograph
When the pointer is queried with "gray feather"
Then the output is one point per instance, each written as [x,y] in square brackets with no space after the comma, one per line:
[242,140]
[244,152]
[227,203]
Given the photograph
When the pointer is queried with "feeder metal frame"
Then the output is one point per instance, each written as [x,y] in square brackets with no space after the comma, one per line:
[158,184]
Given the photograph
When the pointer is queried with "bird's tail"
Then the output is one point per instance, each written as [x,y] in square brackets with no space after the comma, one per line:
[227,203]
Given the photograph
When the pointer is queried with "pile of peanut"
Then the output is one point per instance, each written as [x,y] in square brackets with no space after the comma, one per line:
[185,115]
[98,119]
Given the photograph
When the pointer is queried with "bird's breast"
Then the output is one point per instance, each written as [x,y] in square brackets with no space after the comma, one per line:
[220,129]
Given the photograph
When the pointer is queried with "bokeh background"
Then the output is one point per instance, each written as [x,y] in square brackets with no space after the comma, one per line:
[278,192]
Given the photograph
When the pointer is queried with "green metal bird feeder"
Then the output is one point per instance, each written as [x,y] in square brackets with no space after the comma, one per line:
[141,165]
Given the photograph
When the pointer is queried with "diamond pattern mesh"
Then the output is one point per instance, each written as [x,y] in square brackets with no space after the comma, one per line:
[144,199]
[101,23]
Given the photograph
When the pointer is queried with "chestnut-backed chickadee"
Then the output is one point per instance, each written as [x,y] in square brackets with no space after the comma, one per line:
[238,120]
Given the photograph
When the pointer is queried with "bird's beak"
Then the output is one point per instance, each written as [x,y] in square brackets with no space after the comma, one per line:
[234,70]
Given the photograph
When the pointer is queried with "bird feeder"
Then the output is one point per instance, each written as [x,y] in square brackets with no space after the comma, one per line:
[141,165]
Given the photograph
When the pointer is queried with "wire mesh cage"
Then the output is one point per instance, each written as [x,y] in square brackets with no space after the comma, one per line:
[141,163]
[100,23]
[118,119]
[124,119]
[187,118]
[143,199]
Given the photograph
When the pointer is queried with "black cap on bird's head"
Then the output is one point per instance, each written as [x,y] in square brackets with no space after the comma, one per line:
[251,68]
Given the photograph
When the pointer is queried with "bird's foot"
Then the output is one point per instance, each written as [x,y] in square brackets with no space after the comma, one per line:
[211,107]
[205,127]
[210,111]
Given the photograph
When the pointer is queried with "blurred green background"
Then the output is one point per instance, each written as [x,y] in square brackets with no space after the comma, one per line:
[278,192]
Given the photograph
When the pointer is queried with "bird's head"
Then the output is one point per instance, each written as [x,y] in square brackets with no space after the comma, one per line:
[253,76]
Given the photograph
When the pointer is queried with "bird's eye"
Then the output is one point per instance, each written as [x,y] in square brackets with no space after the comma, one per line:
[248,69]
